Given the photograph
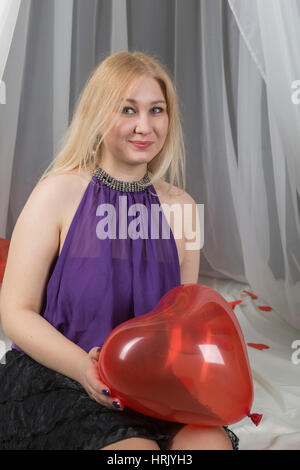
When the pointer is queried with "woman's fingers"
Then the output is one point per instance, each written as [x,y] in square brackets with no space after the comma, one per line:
[94,353]
[97,389]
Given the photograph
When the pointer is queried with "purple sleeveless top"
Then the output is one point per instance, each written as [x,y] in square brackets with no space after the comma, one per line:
[96,283]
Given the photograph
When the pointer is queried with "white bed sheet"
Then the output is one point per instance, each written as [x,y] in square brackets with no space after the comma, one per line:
[279,428]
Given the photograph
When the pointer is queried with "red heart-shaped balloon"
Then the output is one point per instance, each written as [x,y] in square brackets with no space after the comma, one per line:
[185,361]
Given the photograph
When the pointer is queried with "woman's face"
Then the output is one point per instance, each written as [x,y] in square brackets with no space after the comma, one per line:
[143,118]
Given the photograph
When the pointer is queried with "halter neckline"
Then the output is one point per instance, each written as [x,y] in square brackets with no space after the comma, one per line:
[125,186]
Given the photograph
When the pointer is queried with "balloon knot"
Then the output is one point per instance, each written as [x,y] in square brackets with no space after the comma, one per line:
[255,418]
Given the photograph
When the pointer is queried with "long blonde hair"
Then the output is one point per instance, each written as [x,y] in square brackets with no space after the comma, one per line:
[99,106]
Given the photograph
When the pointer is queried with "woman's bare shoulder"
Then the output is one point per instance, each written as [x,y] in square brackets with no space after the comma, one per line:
[170,193]
[64,184]
[72,177]
[60,192]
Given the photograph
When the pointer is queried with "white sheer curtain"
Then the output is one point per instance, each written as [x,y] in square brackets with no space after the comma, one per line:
[9,10]
[260,165]
[11,69]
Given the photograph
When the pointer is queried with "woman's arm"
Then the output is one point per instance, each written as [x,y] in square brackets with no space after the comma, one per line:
[33,247]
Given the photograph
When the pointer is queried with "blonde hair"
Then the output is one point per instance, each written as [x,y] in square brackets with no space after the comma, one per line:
[99,106]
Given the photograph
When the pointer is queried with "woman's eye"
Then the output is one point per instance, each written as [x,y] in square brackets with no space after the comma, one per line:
[126,109]
[156,107]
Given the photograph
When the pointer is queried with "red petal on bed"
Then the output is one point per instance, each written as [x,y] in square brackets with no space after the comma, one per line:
[250,293]
[258,346]
[264,308]
[234,303]
[255,418]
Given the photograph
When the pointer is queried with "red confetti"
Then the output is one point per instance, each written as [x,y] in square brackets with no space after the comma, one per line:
[234,303]
[258,346]
[255,418]
[250,293]
[264,308]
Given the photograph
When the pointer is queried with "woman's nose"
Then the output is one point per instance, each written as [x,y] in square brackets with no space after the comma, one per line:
[143,123]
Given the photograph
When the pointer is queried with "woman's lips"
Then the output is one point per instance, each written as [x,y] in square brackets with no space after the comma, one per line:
[140,145]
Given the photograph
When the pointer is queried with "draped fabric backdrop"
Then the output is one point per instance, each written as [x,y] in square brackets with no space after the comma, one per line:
[233,63]
[9,10]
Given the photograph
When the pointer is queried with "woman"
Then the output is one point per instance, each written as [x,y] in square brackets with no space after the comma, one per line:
[69,281]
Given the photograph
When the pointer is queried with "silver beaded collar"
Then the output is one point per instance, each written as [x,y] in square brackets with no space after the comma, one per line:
[125,186]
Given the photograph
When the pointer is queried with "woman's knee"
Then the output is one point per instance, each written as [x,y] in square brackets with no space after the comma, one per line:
[133,443]
[192,437]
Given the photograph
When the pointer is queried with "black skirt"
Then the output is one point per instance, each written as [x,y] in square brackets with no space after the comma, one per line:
[41,409]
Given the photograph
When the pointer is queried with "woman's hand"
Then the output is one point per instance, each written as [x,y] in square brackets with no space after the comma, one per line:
[90,381]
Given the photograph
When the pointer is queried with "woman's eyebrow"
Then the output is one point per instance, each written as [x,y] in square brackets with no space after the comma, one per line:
[153,102]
